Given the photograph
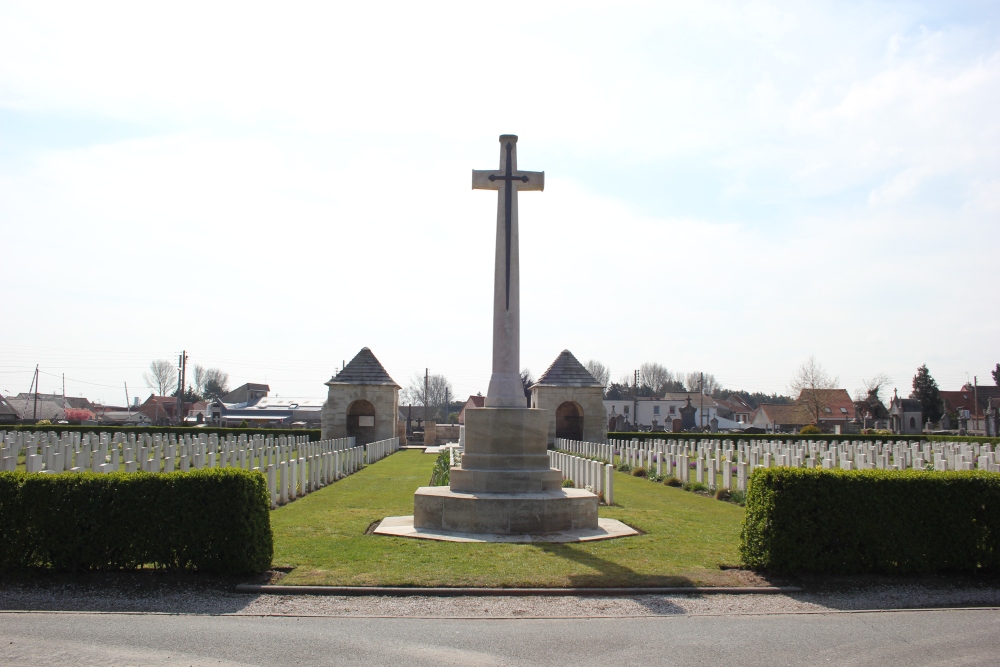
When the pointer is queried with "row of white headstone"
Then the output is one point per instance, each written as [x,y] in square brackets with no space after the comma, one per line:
[712,457]
[51,452]
[586,473]
[293,466]
[323,463]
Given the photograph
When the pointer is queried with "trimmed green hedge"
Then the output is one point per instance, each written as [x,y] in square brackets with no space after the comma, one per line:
[850,522]
[661,435]
[214,520]
[313,433]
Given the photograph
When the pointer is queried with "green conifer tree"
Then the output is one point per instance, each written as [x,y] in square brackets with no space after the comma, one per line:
[925,390]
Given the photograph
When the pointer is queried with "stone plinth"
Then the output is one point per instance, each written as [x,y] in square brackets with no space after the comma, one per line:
[440,508]
[504,485]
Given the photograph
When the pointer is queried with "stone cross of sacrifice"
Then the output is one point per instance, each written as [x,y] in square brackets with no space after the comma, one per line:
[505,390]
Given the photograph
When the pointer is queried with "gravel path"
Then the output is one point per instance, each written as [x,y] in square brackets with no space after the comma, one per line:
[185,600]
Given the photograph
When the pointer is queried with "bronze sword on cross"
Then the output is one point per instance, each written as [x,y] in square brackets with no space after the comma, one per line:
[505,178]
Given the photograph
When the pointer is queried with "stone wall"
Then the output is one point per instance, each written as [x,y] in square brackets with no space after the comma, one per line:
[589,399]
[384,398]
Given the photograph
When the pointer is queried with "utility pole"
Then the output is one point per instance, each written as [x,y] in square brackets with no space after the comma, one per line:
[181,369]
[34,410]
[64,389]
[701,411]
[128,406]
[446,405]
[975,397]
[426,392]
[635,398]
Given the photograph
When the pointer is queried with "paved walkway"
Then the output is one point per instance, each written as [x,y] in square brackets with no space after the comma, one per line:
[910,639]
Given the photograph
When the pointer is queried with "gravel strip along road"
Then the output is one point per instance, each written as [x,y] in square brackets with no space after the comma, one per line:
[185,600]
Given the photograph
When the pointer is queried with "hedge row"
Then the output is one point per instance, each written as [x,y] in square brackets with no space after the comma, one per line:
[313,433]
[642,436]
[850,522]
[211,520]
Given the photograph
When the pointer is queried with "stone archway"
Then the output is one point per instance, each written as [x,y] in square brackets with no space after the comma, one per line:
[361,421]
[569,421]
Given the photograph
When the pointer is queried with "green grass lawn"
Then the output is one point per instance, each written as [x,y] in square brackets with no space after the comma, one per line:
[322,536]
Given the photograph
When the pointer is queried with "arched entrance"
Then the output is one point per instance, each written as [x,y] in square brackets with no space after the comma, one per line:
[361,421]
[569,421]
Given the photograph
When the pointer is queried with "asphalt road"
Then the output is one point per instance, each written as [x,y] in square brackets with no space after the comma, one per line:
[956,637]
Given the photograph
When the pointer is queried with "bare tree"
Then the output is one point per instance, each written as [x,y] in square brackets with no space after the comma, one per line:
[216,383]
[600,372]
[199,379]
[654,376]
[809,385]
[434,398]
[868,399]
[694,382]
[162,376]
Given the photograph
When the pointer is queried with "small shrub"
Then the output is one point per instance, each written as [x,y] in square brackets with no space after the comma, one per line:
[696,487]
[810,429]
[43,422]
[738,498]
[639,471]
[568,484]
[624,467]
[673,481]
[441,475]
[723,494]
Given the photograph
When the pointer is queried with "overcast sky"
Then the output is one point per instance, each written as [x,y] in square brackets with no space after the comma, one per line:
[729,188]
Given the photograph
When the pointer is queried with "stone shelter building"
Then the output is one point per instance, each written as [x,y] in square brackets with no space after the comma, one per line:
[574,400]
[362,402]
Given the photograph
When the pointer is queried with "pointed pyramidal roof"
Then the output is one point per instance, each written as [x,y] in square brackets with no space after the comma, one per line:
[566,371]
[364,368]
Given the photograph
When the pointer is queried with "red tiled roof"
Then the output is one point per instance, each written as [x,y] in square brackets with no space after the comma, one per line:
[833,401]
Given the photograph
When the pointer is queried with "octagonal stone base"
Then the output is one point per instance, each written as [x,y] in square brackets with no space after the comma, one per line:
[439,508]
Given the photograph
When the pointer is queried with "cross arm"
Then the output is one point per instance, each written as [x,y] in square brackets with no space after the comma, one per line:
[481,180]
[536,180]
[491,180]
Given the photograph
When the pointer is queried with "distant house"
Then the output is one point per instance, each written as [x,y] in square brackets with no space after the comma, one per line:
[781,418]
[735,409]
[8,414]
[246,393]
[473,402]
[837,407]
[44,408]
[159,409]
[663,413]
[970,403]
[268,411]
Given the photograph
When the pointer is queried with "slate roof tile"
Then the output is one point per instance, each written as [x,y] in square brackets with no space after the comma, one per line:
[364,368]
[566,371]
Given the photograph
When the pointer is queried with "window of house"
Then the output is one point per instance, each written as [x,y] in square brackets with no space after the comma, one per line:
[913,423]
[626,409]
[844,410]
[672,409]
[656,409]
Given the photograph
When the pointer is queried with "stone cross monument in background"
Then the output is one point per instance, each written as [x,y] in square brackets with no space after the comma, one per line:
[504,487]
[505,390]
